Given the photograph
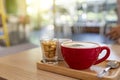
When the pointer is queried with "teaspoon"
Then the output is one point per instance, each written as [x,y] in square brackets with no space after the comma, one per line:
[110,65]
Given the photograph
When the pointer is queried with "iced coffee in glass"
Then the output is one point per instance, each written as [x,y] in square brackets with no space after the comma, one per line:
[49,50]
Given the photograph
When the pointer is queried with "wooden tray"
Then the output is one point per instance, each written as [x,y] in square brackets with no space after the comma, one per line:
[88,74]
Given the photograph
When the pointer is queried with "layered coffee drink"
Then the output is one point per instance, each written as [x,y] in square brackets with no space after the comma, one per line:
[49,48]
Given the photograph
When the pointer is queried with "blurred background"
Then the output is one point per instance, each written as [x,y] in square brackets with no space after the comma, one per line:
[28,21]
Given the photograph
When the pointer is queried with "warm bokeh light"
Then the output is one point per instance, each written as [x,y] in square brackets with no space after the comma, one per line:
[60,2]
[36,6]
[45,4]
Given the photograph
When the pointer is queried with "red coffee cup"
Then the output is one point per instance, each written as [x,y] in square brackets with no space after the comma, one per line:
[82,55]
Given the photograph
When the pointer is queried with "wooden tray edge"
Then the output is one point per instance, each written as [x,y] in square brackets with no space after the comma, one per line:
[71,72]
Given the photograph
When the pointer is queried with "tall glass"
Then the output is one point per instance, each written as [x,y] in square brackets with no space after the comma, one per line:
[60,41]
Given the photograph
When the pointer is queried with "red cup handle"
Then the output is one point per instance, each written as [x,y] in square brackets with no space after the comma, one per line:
[105,57]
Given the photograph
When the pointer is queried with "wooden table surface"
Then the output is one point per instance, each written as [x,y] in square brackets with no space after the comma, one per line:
[22,66]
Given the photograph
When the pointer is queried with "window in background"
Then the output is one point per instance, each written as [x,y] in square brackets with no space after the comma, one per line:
[96,11]
[40,11]
[90,13]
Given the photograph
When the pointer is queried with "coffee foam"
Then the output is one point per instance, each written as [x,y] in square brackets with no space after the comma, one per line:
[80,45]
